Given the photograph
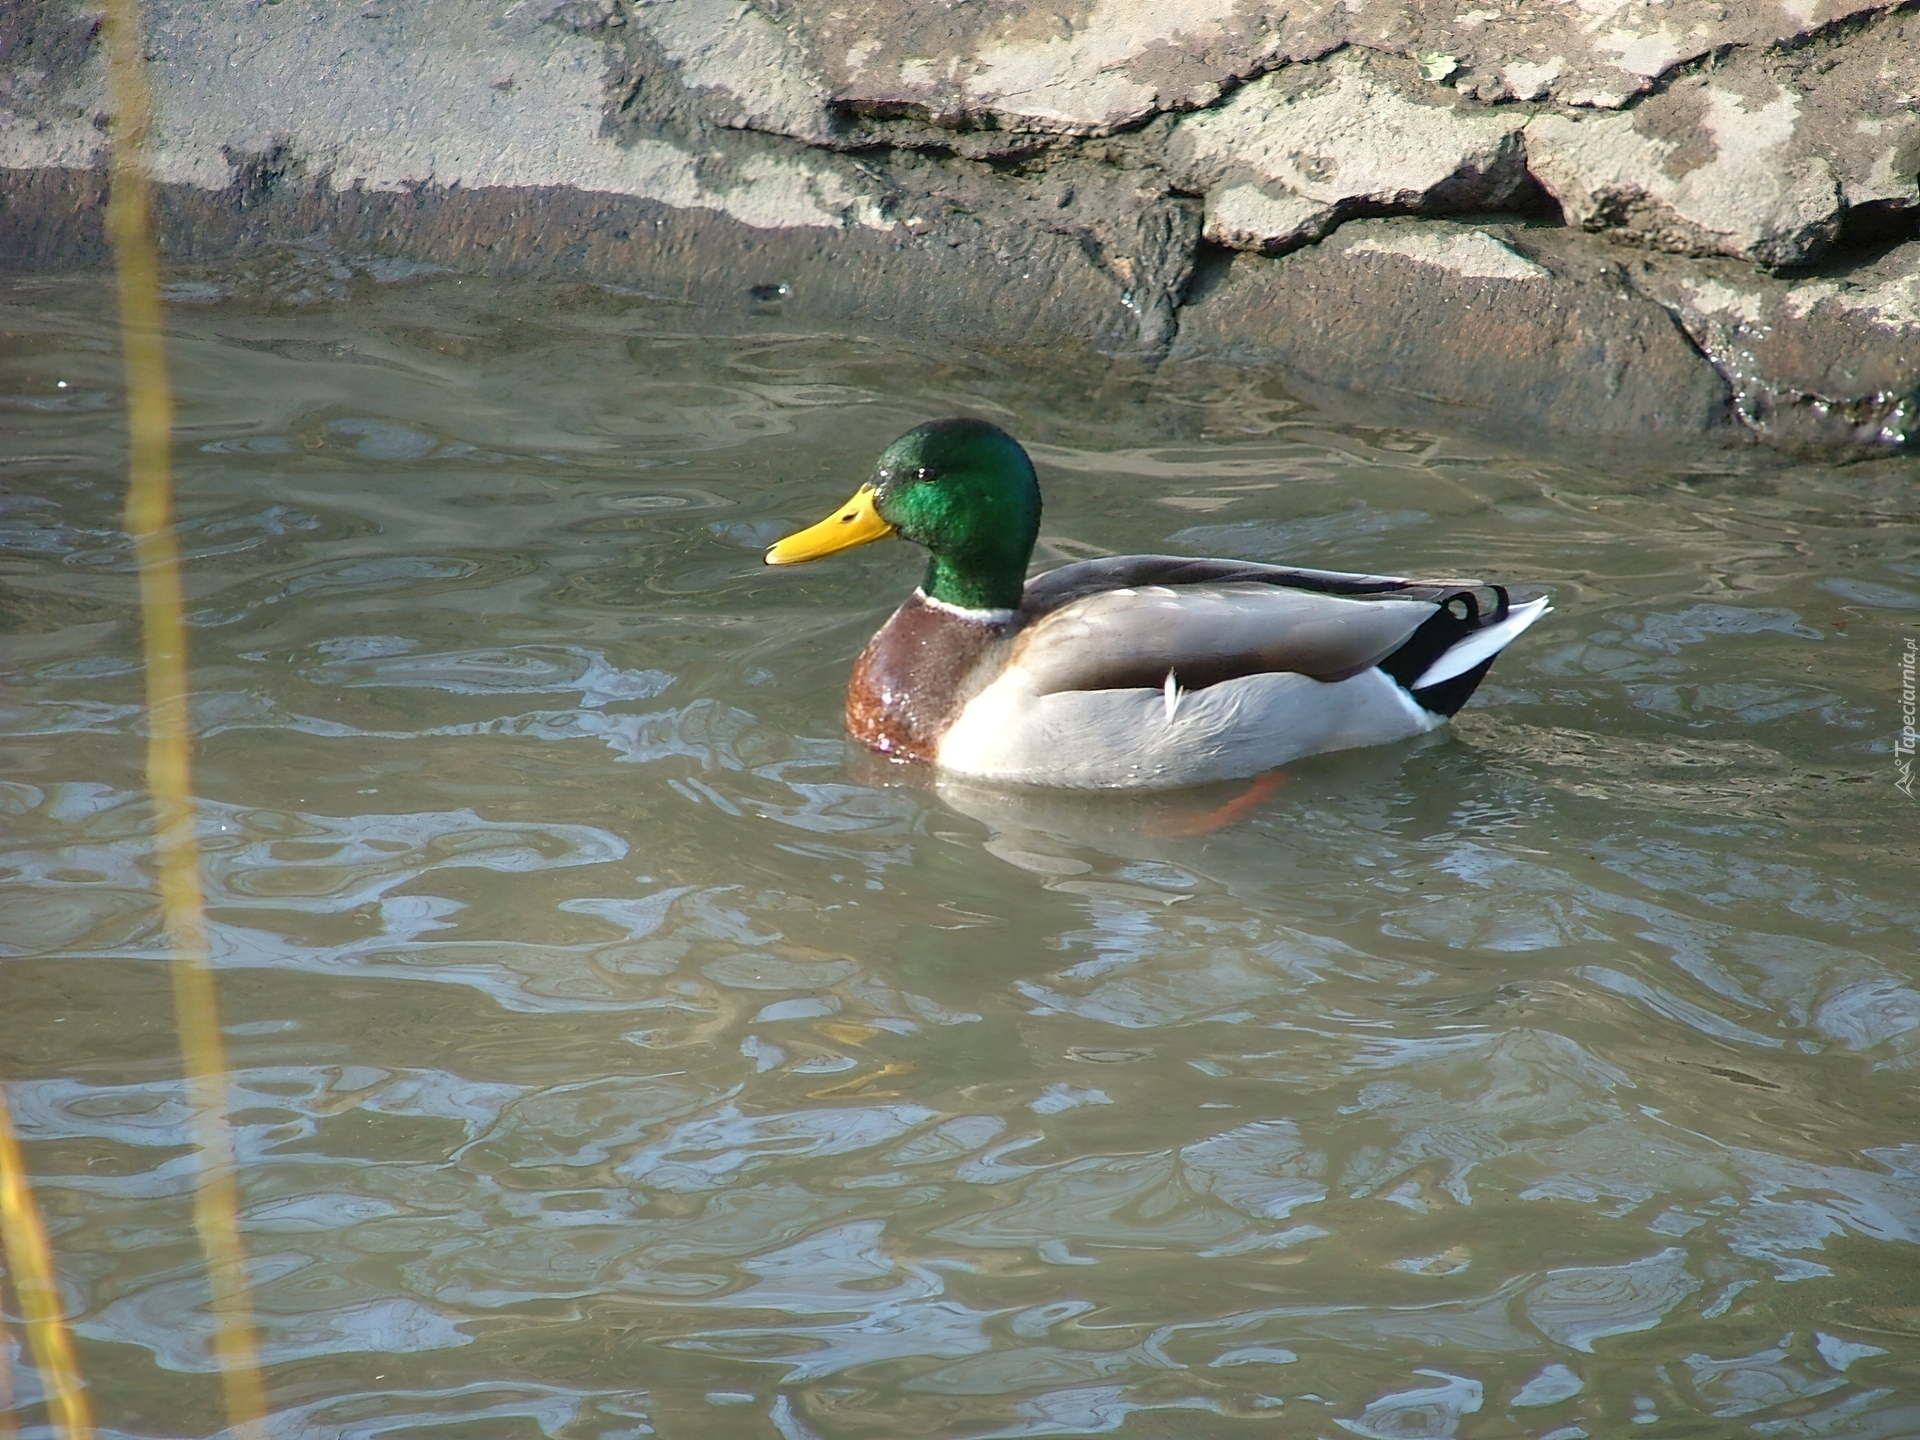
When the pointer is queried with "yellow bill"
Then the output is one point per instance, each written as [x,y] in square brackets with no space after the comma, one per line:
[854,523]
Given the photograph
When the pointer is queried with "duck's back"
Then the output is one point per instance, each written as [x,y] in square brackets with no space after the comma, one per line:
[1052,589]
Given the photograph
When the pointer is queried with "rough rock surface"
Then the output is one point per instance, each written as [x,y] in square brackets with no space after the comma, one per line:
[387,97]
[1761,156]
[1523,325]
[1074,171]
[1824,365]
[1094,66]
[1287,157]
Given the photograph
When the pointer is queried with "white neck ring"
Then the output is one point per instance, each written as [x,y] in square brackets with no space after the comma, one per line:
[962,612]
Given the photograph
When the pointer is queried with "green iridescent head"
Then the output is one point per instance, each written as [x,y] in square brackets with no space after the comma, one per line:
[964,490]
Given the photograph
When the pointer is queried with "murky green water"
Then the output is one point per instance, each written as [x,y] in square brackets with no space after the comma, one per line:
[611,1058]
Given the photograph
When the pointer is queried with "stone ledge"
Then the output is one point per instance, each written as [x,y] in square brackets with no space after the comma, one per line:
[966,176]
[1522,327]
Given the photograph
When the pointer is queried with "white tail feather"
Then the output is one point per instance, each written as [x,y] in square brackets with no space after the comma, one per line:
[1173,693]
[1483,644]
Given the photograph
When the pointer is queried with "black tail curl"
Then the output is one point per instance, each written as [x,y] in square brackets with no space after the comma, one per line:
[1459,616]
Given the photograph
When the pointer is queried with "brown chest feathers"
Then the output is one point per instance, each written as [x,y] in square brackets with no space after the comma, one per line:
[913,677]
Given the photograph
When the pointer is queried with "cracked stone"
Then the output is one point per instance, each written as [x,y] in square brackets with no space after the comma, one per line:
[1818,365]
[1754,198]
[1761,157]
[1285,157]
[1090,67]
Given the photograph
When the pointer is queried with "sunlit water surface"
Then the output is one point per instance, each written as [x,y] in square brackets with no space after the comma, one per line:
[611,1056]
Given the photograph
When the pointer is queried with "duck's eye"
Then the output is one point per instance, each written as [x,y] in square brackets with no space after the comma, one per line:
[923,473]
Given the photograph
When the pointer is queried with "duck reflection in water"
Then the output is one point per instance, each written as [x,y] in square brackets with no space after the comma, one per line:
[1271,834]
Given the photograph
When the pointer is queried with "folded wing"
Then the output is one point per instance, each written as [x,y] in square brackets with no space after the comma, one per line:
[1134,637]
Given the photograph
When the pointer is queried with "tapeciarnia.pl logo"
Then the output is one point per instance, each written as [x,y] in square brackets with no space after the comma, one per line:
[1903,743]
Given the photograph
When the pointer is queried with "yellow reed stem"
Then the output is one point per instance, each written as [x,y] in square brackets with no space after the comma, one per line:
[169,718]
[23,1238]
[8,1429]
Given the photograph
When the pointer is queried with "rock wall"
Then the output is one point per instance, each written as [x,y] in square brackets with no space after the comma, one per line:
[1616,216]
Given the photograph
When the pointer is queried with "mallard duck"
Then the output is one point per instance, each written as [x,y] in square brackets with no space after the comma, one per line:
[1136,671]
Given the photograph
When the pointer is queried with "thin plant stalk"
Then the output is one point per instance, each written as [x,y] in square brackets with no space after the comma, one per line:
[169,719]
[23,1239]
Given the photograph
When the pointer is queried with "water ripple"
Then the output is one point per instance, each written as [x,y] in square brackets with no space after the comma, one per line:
[620,1060]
